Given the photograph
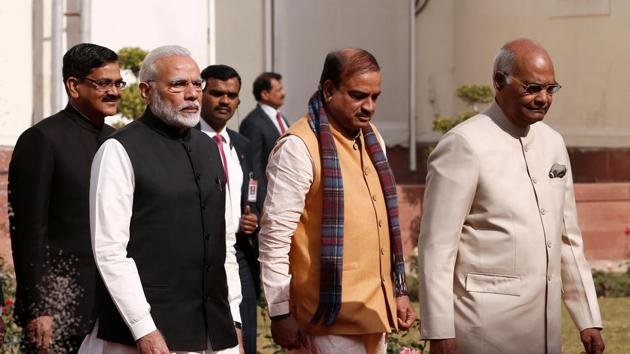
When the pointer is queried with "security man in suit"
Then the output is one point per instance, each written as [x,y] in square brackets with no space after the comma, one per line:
[49,183]
[500,244]
[218,104]
[265,124]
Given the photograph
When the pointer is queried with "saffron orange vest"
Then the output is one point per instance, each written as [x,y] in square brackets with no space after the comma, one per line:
[368,304]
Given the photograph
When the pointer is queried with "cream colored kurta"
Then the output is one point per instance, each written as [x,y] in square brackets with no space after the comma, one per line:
[500,244]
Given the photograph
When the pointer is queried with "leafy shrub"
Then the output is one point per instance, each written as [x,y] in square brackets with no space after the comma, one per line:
[13,335]
[131,104]
[131,58]
[405,342]
[611,284]
[472,95]
[412,288]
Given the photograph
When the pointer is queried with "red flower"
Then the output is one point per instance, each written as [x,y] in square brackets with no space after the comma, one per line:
[8,302]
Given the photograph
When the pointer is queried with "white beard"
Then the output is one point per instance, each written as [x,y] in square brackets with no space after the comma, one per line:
[174,116]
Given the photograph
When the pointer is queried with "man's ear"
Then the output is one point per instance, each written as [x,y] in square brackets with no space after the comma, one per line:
[72,86]
[328,89]
[145,91]
[499,80]
[264,94]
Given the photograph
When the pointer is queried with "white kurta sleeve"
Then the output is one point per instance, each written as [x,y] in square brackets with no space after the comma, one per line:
[289,176]
[450,189]
[579,293]
[231,264]
[111,201]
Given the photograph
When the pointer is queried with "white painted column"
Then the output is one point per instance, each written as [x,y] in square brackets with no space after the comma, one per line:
[212,33]
[268,35]
[86,20]
[56,103]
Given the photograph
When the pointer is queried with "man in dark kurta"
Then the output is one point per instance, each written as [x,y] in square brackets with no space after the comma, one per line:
[49,180]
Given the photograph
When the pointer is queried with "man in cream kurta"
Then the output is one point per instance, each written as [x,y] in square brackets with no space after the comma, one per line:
[500,244]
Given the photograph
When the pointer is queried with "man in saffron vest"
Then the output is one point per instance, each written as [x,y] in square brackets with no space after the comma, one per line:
[330,249]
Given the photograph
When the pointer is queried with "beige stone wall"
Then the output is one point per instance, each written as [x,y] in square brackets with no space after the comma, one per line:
[239,39]
[435,65]
[588,41]
[16,95]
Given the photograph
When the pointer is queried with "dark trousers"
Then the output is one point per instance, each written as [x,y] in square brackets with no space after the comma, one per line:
[248,304]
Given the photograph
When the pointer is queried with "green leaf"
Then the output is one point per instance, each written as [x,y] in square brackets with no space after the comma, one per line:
[131,58]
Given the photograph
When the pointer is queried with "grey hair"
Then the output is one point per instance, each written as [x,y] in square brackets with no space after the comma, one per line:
[147,70]
[504,61]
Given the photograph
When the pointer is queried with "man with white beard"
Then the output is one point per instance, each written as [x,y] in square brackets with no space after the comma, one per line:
[159,234]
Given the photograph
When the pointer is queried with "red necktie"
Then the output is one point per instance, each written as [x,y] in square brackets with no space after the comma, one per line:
[280,123]
[219,140]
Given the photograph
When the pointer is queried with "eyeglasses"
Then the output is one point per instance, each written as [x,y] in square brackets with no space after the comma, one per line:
[106,84]
[178,86]
[534,88]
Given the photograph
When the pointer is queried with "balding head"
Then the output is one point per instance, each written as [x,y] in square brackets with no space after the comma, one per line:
[524,81]
[349,86]
[346,62]
[514,53]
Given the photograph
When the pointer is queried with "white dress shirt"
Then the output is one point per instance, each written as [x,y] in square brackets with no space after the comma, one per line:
[272,113]
[112,186]
[235,171]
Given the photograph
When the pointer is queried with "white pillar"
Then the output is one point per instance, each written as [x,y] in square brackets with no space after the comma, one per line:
[212,33]
[56,82]
[268,35]
[86,20]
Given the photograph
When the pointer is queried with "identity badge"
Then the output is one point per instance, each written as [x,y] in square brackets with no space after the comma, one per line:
[252,189]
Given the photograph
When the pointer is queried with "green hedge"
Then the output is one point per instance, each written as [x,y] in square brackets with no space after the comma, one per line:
[610,284]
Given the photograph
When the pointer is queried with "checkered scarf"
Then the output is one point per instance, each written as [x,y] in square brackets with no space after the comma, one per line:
[331,258]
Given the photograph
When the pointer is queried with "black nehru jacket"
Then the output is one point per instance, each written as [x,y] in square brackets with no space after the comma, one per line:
[177,237]
[49,184]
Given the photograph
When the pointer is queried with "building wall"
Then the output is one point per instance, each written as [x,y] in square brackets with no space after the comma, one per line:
[435,65]
[305,31]
[240,44]
[16,96]
[587,40]
[456,41]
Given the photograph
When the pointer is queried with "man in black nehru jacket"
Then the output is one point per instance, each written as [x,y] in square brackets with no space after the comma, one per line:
[49,183]
[159,232]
